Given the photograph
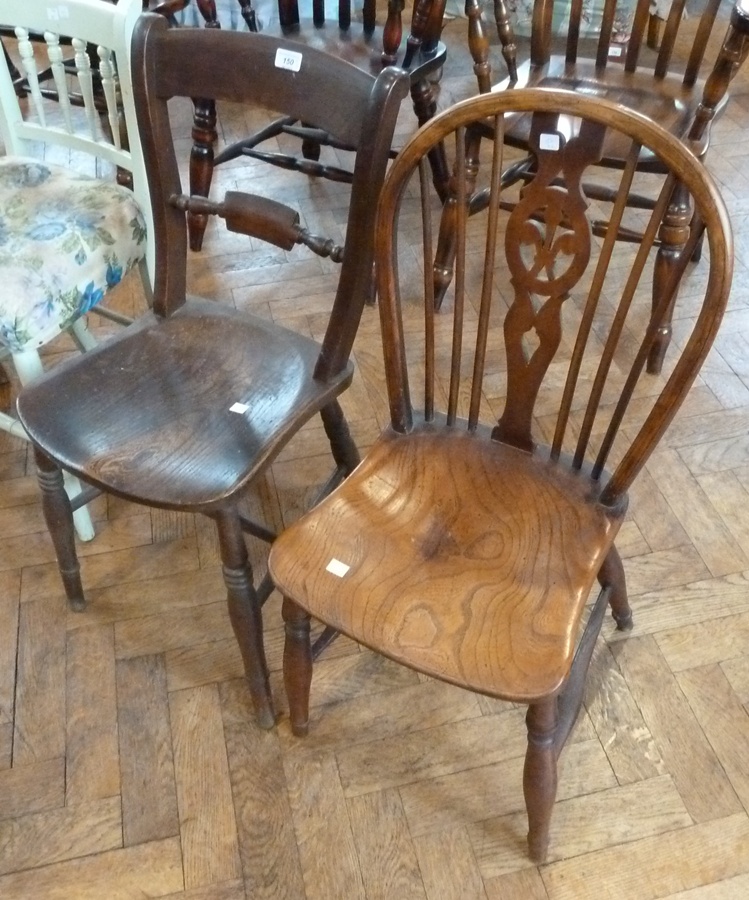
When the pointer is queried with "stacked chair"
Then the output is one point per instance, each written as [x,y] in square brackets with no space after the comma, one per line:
[67,237]
[682,85]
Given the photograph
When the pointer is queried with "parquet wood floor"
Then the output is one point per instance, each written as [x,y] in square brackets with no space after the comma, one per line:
[129,763]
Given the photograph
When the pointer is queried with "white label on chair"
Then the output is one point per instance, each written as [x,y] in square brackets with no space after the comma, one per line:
[55,13]
[615,50]
[548,142]
[288,59]
[336,567]
[239,408]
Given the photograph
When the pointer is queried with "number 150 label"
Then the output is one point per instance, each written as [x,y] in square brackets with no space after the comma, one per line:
[288,59]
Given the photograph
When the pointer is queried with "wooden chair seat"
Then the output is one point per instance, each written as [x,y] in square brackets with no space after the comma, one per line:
[439,575]
[666,101]
[186,448]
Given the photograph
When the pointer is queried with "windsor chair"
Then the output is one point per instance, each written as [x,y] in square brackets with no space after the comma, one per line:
[468,541]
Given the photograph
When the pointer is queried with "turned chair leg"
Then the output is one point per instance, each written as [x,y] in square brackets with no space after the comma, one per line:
[58,515]
[673,235]
[444,257]
[245,613]
[204,138]
[540,775]
[611,575]
[297,665]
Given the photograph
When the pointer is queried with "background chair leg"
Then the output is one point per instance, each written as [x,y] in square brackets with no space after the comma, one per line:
[80,333]
[673,235]
[58,515]
[84,526]
[611,575]
[297,665]
[245,614]
[540,775]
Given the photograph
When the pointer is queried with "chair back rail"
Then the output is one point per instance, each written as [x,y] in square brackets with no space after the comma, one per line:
[364,115]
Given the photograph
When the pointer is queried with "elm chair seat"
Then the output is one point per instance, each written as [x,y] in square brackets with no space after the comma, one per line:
[206,422]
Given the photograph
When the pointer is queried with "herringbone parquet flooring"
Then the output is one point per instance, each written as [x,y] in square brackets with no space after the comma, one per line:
[130,766]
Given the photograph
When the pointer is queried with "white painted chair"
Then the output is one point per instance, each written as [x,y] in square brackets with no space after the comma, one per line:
[66,237]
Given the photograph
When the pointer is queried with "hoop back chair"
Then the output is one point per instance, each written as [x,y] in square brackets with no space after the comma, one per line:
[69,232]
[212,395]
[467,542]
[335,29]
[682,85]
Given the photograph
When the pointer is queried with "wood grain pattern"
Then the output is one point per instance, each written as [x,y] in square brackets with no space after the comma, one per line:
[448,866]
[386,854]
[267,843]
[92,754]
[208,831]
[149,794]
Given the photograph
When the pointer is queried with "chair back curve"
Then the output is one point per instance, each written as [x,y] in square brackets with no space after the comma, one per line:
[550,328]
[363,115]
[83,48]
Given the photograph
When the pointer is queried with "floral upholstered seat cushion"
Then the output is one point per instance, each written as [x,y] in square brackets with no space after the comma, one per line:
[65,240]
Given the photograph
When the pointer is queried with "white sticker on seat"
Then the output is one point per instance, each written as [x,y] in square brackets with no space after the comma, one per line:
[336,567]
[238,408]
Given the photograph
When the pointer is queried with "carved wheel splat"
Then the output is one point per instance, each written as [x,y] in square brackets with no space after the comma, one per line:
[548,243]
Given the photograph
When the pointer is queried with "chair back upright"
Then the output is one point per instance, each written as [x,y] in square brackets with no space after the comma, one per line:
[90,109]
[249,68]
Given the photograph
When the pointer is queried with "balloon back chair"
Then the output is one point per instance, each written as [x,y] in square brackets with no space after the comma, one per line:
[467,543]
[68,232]
[188,406]
[606,49]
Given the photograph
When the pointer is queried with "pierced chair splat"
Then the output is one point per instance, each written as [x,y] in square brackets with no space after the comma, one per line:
[470,539]
[214,394]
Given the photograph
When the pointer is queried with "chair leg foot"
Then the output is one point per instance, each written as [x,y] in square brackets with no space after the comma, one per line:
[297,665]
[58,515]
[245,614]
[540,775]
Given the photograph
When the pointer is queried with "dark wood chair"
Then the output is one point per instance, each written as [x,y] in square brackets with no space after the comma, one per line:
[186,407]
[356,38]
[682,86]
[468,541]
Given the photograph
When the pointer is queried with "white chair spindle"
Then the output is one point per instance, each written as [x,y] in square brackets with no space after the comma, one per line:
[86,82]
[54,51]
[28,61]
[109,87]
